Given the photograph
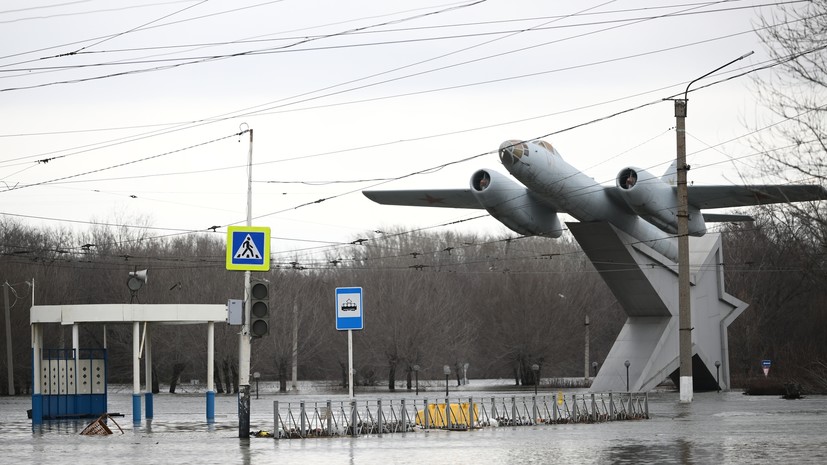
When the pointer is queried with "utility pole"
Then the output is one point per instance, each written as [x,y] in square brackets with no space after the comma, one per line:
[295,370]
[244,336]
[9,358]
[684,310]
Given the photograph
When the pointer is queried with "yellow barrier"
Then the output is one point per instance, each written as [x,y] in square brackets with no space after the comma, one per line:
[437,418]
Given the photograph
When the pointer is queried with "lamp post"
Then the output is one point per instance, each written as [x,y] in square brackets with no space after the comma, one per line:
[684,311]
[626,363]
[416,375]
[586,349]
[718,374]
[256,376]
[536,369]
[447,370]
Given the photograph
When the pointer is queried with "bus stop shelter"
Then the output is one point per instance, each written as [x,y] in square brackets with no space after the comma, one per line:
[72,367]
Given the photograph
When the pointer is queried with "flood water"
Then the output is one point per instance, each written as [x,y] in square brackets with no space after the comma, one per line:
[725,427]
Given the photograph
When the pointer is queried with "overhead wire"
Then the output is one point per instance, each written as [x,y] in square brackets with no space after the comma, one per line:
[433,168]
[120,165]
[409,29]
[429,169]
[97,146]
[205,59]
[115,36]
[489,152]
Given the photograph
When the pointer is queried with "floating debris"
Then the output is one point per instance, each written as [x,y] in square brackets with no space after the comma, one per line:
[99,427]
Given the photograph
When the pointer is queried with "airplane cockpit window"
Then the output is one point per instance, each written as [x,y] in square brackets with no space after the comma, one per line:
[545,145]
[512,151]
[628,179]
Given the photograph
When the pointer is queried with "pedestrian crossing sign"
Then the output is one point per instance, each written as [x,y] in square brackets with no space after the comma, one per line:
[248,248]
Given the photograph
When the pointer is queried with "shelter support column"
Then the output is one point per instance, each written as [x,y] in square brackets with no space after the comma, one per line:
[76,343]
[76,366]
[148,371]
[37,395]
[210,372]
[136,372]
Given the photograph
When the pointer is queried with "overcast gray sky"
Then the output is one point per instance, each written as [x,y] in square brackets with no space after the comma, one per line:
[116,110]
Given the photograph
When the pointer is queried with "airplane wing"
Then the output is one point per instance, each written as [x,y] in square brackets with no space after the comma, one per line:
[705,197]
[450,198]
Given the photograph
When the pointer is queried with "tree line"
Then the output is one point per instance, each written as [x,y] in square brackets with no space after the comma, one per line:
[499,305]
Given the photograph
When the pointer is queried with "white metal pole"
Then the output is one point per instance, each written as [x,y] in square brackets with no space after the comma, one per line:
[244,337]
[136,372]
[136,364]
[350,362]
[211,356]
[37,376]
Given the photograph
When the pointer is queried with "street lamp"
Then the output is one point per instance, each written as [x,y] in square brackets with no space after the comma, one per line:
[717,374]
[536,369]
[684,302]
[416,375]
[627,374]
[447,370]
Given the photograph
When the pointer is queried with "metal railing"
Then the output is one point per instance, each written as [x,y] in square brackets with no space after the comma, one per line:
[353,418]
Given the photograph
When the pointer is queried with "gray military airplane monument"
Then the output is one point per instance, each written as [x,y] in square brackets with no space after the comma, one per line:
[628,231]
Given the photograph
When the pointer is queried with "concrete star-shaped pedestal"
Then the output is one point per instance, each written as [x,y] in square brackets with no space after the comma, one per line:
[645,283]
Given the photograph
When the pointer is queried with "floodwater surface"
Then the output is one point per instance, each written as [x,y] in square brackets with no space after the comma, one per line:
[716,428]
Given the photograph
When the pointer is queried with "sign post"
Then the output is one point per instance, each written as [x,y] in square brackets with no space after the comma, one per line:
[349,316]
[765,364]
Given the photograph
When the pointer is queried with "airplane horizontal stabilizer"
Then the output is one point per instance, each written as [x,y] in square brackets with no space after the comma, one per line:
[725,218]
[449,198]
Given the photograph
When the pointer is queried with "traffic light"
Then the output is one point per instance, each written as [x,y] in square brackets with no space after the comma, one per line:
[260,308]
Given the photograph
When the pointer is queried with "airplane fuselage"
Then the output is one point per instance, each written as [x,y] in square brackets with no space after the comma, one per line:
[566,189]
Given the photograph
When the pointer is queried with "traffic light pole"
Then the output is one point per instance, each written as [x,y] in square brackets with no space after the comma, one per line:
[244,336]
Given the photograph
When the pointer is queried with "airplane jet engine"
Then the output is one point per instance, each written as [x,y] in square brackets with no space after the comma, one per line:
[656,201]
[514,206]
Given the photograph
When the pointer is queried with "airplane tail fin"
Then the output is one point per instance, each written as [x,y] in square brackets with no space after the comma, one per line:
[671,175]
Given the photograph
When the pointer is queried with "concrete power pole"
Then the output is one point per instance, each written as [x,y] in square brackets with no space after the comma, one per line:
[684,311]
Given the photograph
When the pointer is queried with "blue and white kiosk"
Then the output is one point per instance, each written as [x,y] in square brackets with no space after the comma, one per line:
[73,382]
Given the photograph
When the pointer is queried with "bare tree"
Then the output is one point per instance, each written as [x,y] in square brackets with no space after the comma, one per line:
[796,38]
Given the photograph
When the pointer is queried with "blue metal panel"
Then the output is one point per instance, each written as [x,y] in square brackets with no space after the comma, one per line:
[210,406]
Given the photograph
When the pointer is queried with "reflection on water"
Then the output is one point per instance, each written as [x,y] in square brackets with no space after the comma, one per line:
[714,428]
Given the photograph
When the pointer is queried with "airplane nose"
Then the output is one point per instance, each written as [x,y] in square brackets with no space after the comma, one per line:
[512,151]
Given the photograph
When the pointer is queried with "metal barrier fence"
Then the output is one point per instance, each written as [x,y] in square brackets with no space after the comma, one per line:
[354,418]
